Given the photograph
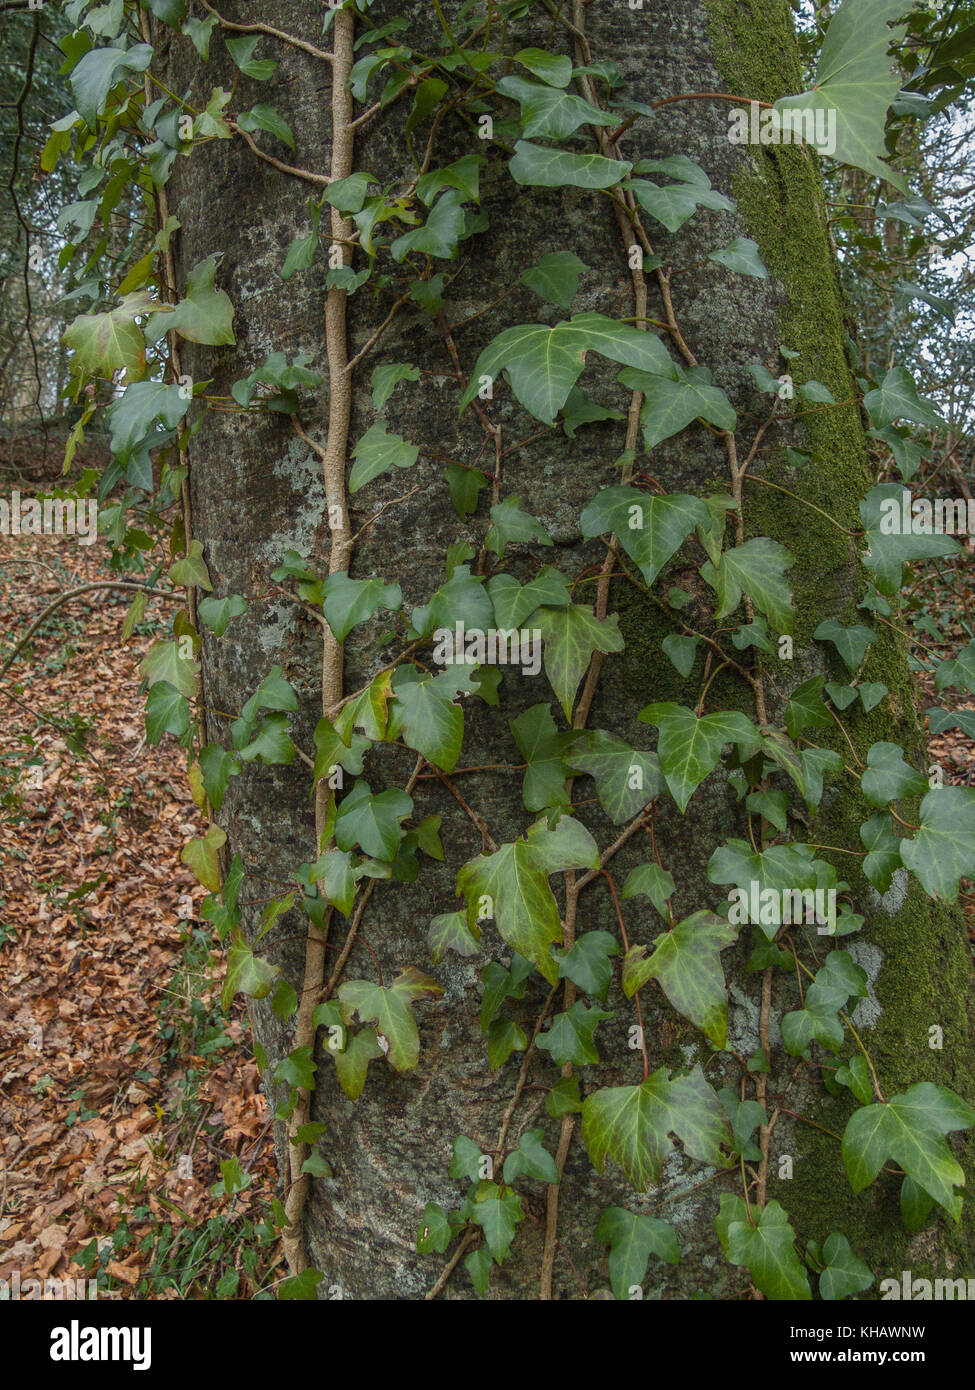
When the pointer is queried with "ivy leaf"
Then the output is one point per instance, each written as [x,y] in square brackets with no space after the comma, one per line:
[204,314]
[334,874]
[587,963]
[774,806]
[816,763]
[216,613]
[390,1010]
[515,881]
[463,174]
[430,720]
[742,256]
[164,662]
[891,545]
[580,410]
[909,1131]
[842,696]
[543,747]
[377,452]
[498,1218]
[191,571]
[463,599]
[247,974]
[757,568]
[551,112]
[555,277]
[555,69]
[434,1232]
[856,1075]
[778,868]
[766,1248]
[104,343]
[675,398]
[844,1273]
[332,752]
[98,71]
[264,117]
[132,416]
[531,1159]
[650,529]
[871,693]
[672,204]
[478,1266]
[681,652]
[272,744]
[943,851]
[631,1125]
[896,398]
[242,49]
[626,779]
[687,964]
[850,642]
[633,1238]
[450,932]
[563,1098]
[504,1037]
[386,378]
[540,167]
[853,88]
[571,635]
[501,984]
[372,822]
[514,602]
[543,364]
[441,232]
[166,713]
[959,672]
[916,1205]
[348,602]
[202,857]
[652,881]
[510,523]
[689,747]
[888,777]
[217,767]
[352,1063]
[570,1039]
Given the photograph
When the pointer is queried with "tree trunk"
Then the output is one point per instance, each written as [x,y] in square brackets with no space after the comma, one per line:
[257,491]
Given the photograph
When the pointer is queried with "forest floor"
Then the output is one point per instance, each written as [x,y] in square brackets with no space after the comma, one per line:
[123,1085]
[129,1101]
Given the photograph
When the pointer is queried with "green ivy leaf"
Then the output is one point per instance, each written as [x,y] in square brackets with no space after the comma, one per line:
[352,1062]
[570,1038]
[514,602]
[741,255]
[757,568]
[166,713]
[896,398]
[202,857]
[449,932]
[429,719]
[633,1238]
[653,882]
[571,635]
[515,880]
[390,1010]
[687,964]
[675,398]
[850,642]
[672,204]
[626,778]
[503,1038]
[555,277]
[689,747]
[943,851]
[377,452]
[551,112]
[216,613]
[372,822]
[98,71]
[163,662]
[909,1131]
[543,747]
[104,343]
[509,523]
[650,529]
[531,1159]
[540,167]
[681,652]
[888,777]
[765,1245]
[498,1218]
[204,315]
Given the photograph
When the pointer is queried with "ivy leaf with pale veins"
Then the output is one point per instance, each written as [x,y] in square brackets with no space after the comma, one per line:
[888,777]
[570,1038]
[855,84]
[650,528]
[551,112]
[389,1008]
[352,1063]
[514,602]
[450,932]
[943,851]
[741,255]
[757,568]
[571,635]
[884,851]
[890,546]
[765,1246]
[347,602]
[539,167]
[372,822]
[844,1273]
[430,721]
[104,343]
[896,398]
[687,964]
[204,315]
[515,880]
[633,1238]
[850,642]
[689,747]
[531,1159]
[587,963]
[653,882]
[509,523]
[543,364]
[631,1125]
[543,747]
[675,398]
[909,1131]
[626,779]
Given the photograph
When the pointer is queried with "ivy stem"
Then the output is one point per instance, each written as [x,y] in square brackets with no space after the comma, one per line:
[753,478]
